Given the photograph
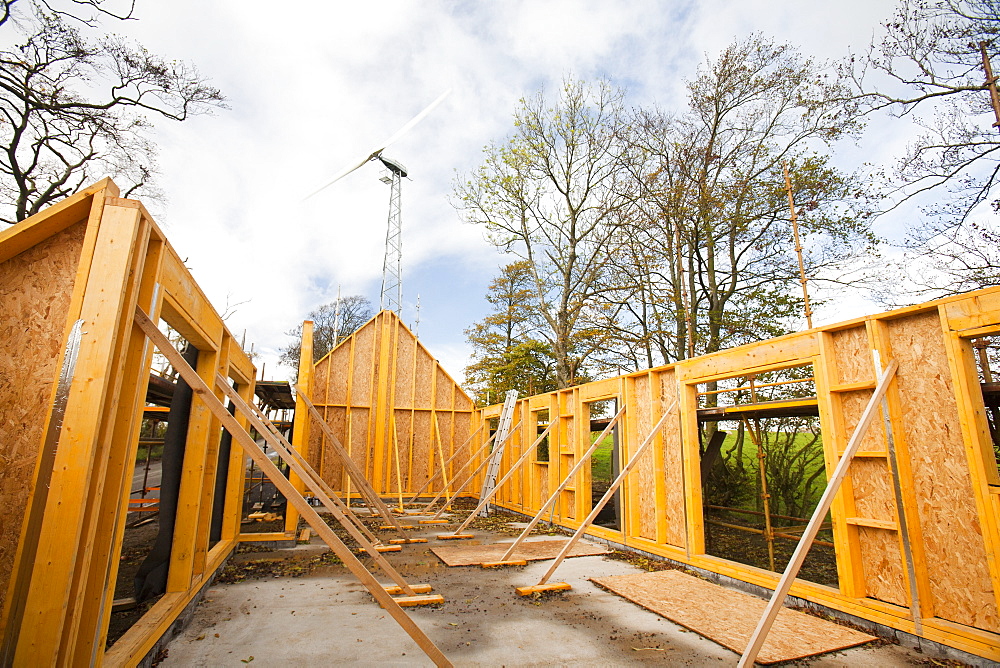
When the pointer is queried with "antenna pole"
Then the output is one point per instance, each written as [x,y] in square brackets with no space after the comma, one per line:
[798,246]
[336,320]
[416,325]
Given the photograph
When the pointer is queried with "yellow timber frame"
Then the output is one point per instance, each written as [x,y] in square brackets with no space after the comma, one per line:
[72,389]
[947,476]
[395,409]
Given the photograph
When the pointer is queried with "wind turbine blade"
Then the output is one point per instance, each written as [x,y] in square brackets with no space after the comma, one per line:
[342,173]
[374,154]
[416,119]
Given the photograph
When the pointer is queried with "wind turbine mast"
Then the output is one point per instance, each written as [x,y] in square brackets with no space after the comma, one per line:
[392,271]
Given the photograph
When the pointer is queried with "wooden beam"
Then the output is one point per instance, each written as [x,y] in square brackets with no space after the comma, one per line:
[608,494]
[457,452]
[565,483]
[300,423]
[795,563]
[513,469]
[205,394]
[311,479]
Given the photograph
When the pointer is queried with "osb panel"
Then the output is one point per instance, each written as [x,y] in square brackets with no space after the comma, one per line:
[646,468]
[405,349]
[852,406]
[883,565]
[335,375]
[320,391]
[364,364]
[729,617]
[953,541]
[853,357]
[359,440]
[529,550]
[673,464]
[35,290]
[570,496]
[445,390]
[873,493]
[399,446]
[333,468]
[426,368]
[463,422]
[423,458]
[541,487]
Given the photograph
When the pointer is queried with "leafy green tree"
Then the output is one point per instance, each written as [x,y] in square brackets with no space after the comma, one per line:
[709,244]
[547,194]
[507,355]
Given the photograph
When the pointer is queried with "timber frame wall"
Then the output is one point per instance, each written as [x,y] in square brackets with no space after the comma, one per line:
[394,408]
[948,476]
[948,479]
[71,278]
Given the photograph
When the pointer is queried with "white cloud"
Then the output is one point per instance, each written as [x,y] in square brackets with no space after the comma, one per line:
[315,85]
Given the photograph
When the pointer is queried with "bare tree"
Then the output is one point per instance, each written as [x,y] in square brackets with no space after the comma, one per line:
[73,109]
[928,70]
[329,328]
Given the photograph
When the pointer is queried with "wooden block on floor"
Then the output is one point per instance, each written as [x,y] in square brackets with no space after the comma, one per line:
[404,541]
[549,586]
[410,601]
[389,527]
[433,521]
[388,548]
[454,536]
[304,536]
[395,590]
[500,564]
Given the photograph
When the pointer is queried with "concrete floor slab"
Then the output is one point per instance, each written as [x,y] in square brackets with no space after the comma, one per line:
[328,618]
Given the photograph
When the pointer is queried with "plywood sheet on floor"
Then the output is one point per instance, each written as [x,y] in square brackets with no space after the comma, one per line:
[729,617]
[534,550]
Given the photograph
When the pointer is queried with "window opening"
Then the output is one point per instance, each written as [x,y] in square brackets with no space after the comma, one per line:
[763,470]
[541,424]
[987,354]
[604,463]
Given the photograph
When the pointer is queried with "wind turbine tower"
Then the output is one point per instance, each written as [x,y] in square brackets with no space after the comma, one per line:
[392,265]
[392,277]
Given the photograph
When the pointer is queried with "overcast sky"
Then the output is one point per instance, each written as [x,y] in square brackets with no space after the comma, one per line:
[313,86]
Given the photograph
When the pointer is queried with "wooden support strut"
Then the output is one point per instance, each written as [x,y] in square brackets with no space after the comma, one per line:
[795,563]
[486,462]
[430,504]
[457,452]
[266,423]
[205,394]
[608,494]
[564,484]
[315,484]
[364,487]
[513,469]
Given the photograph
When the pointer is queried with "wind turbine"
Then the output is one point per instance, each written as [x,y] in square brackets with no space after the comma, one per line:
[392,278]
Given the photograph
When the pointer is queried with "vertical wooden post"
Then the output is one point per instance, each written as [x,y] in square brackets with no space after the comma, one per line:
[991,83]
[59,540]
[300,423]
[798,247]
